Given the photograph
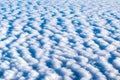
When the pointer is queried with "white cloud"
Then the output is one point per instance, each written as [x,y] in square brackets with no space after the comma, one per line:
[52,76]
[9,74]
[81,51]
[5,65]
[116,62]
[33,74]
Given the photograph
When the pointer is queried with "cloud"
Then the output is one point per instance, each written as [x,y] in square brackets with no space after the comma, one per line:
[59,40]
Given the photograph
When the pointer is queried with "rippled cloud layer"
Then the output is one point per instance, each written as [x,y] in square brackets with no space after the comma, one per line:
[59,39]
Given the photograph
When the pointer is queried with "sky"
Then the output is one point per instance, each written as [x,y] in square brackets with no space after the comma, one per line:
[59,39]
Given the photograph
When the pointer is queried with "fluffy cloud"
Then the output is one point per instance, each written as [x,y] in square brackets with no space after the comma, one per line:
[59,40]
